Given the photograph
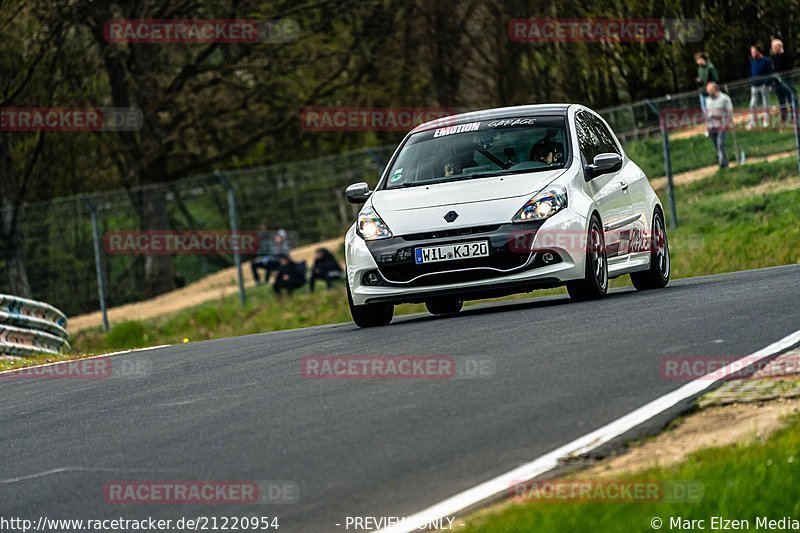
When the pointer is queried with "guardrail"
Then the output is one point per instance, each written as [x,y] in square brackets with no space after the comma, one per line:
[29,328]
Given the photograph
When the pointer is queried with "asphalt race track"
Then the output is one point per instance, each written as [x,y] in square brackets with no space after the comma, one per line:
[240,409]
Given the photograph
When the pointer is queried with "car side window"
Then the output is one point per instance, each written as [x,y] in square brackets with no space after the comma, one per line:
[606,139]
[588,141]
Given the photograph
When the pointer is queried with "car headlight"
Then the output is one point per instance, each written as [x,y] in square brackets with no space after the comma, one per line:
[370,226]
[544,205]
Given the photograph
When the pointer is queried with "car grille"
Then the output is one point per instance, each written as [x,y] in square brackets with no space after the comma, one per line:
[447,233]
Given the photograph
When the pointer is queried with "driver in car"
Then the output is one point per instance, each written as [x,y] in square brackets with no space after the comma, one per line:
[545,152]
[452,168]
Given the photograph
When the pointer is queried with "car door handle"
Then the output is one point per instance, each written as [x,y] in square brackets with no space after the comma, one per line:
[624,186]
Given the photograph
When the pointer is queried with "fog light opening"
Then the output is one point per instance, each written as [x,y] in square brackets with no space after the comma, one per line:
[371,278]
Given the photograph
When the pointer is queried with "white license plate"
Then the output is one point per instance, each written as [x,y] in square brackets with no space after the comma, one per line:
[451,252]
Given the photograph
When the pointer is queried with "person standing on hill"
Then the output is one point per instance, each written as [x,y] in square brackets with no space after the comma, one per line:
[783,87]
[760,68]
[706,73]
[720,117]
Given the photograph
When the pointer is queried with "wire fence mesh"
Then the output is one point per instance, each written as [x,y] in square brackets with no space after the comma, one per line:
[303,198]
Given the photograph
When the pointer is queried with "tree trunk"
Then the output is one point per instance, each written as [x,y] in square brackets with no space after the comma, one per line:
[13,252]
[14,258]
[159,275]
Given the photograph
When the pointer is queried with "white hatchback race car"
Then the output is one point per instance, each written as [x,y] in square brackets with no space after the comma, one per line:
[502,201]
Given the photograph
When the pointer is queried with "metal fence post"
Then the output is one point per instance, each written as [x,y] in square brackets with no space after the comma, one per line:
[667,165]
[795,117]
[342,203]
[633,121]
[237,257]
[740,157]
[98,260]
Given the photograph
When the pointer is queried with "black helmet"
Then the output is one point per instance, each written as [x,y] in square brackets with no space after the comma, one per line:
[544,147]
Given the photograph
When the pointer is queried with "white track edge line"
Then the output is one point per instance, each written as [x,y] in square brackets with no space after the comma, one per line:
[588,442]
[121,352]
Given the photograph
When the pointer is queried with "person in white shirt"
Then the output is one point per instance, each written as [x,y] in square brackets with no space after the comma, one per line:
[719,116]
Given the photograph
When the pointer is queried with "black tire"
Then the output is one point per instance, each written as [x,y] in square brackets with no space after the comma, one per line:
[444,306]
[370,315]
[594,285]
[657,276]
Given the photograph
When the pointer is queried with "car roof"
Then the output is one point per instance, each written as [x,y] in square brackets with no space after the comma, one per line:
[496,113]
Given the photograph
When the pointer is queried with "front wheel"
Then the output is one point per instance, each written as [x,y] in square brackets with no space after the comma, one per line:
[657,276]
[444,306]
[369,315]
[594,285]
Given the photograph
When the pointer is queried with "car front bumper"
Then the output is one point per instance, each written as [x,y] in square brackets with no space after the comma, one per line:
[516,263]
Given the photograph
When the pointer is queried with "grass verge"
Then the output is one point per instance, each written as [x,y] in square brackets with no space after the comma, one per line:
[741,481]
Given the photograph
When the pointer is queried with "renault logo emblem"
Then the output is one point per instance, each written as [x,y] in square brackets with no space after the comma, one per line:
[451,216]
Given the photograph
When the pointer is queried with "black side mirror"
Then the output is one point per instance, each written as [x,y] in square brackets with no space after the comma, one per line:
[357,193]
[603,164]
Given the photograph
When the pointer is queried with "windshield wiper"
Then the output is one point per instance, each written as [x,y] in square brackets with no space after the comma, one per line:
[465,177]
[488,174]
[420,183]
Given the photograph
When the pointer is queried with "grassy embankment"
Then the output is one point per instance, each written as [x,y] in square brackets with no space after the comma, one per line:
[740,481]
[694,152]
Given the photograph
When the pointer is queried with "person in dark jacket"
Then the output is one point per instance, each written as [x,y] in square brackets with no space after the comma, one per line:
[270,247]
[760,67]
[290,277]
[326,268]
[706,73]
[783,87]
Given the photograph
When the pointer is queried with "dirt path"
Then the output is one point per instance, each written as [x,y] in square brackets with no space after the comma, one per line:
[214,286]
[690,176]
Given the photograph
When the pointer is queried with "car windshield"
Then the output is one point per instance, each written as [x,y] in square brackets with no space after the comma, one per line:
[480,149]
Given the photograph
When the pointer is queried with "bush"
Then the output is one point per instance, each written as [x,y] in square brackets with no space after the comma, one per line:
[126,335]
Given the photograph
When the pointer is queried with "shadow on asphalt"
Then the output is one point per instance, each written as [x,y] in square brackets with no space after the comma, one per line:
[511,306]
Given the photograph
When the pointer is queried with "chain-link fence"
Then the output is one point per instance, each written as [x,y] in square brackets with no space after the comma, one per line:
[638,120]
[304,198]
[674,137]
